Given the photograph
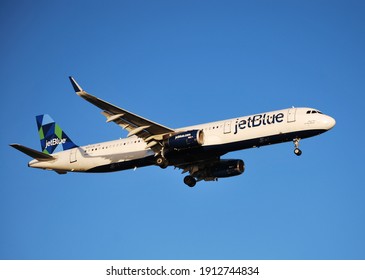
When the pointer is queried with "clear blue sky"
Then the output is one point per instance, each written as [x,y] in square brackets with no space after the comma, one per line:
[181,63]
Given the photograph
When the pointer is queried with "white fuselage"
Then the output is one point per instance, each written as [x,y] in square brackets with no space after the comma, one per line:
[219,138]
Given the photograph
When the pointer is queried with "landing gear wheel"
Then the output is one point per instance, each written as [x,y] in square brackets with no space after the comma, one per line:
[297,151]
[190,181]
[162,162]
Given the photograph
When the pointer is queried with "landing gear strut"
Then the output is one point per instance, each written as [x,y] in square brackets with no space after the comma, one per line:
[297,151]
[190,181]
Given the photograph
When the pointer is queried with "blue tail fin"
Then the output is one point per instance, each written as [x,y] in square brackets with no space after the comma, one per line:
[53,138]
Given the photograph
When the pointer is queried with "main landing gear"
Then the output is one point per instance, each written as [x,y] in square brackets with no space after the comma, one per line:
[162,162]
[190,181]
[297,151]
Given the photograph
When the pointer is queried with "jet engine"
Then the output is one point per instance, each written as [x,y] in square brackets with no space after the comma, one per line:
[185,140]
[227,168]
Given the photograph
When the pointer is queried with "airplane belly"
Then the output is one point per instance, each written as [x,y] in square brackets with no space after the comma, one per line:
[122,161]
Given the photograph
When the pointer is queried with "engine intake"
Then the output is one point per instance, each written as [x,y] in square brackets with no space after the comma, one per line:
[185,140]
[227,168]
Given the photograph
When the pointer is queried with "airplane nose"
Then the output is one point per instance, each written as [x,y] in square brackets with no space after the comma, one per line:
[329,122]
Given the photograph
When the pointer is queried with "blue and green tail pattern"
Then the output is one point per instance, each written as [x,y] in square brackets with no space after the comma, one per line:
[53,138]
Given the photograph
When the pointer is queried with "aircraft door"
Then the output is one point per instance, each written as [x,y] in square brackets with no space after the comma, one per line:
[291,114]
[73,155]
[227,127]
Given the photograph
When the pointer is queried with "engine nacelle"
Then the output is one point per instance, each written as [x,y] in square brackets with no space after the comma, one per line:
[185,140]
[227,168]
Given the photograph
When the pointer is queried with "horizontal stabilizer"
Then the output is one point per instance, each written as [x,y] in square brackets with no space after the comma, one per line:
[32,153]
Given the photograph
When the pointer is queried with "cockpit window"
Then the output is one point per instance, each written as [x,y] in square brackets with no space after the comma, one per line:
[314,112]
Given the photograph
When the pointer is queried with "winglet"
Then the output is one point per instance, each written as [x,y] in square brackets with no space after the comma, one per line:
[75,85]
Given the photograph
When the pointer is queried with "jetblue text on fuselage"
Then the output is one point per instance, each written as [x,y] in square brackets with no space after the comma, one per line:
[258,120]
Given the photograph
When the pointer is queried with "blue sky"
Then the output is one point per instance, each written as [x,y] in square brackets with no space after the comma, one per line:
[181,63]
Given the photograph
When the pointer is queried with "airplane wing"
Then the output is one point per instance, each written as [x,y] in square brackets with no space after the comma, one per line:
[149,131]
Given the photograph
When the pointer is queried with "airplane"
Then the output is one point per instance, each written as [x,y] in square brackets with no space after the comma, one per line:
[196,150]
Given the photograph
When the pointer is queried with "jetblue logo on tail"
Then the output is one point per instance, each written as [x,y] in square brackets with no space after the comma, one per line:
[52,137]
[55,142]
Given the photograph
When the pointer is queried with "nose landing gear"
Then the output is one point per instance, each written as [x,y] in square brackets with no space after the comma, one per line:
[297,151]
